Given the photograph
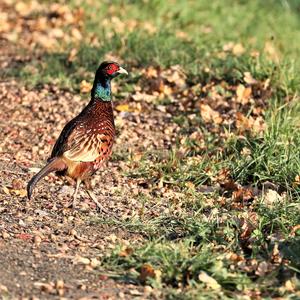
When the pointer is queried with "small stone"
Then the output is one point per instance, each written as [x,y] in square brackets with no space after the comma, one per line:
[37,240]
[5,235]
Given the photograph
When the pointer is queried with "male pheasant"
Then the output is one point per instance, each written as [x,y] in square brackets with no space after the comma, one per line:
[87,140]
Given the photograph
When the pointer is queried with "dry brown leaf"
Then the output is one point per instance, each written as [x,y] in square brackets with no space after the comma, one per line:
[147,271]
[246,228]
[242,122]
[210,115]
[175,75]
[126,252]
[56,33]
[259,125]
[243,94]
[235,257]
[248,223]
[165,89]
[242,194]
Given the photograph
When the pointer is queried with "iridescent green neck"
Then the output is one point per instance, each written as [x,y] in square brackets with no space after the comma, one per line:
[102,90]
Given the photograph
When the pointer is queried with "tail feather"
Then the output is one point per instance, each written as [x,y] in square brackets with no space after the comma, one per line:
[55,164]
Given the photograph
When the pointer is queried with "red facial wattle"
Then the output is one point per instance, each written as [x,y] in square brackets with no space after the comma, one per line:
[111,69]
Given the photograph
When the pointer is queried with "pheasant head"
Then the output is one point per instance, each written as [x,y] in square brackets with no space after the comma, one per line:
[106,71]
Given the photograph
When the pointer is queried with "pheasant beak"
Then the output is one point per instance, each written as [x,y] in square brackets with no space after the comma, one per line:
[122,71]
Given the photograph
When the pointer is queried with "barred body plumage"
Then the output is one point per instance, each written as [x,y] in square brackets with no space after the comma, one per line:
[86,141]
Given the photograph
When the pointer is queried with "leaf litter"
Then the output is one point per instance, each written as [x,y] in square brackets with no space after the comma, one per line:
[61,250]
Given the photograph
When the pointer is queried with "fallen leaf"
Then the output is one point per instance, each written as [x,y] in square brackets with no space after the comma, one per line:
[209,281]
[242,194]
[270,197]
[243,94]
[123,107]
[210,115]
[126,252]
[243,123]
[147,271]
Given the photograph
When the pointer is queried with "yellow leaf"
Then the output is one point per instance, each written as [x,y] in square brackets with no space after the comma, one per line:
[123,107]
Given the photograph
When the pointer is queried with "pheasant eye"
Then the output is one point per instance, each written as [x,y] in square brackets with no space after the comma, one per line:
[111,69]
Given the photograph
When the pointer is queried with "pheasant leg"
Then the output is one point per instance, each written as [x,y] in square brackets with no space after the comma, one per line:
[78,181]
[100,208]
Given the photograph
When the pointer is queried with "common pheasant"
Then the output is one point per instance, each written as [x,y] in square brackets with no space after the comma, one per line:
[87,140]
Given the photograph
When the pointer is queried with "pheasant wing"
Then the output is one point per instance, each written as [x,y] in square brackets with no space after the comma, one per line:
[61,144]
[85,147]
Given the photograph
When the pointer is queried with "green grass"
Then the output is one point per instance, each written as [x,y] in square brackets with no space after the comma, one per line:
[251,24]
[179,246]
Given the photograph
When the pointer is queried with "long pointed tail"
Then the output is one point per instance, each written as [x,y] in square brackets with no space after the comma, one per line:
[55,164]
